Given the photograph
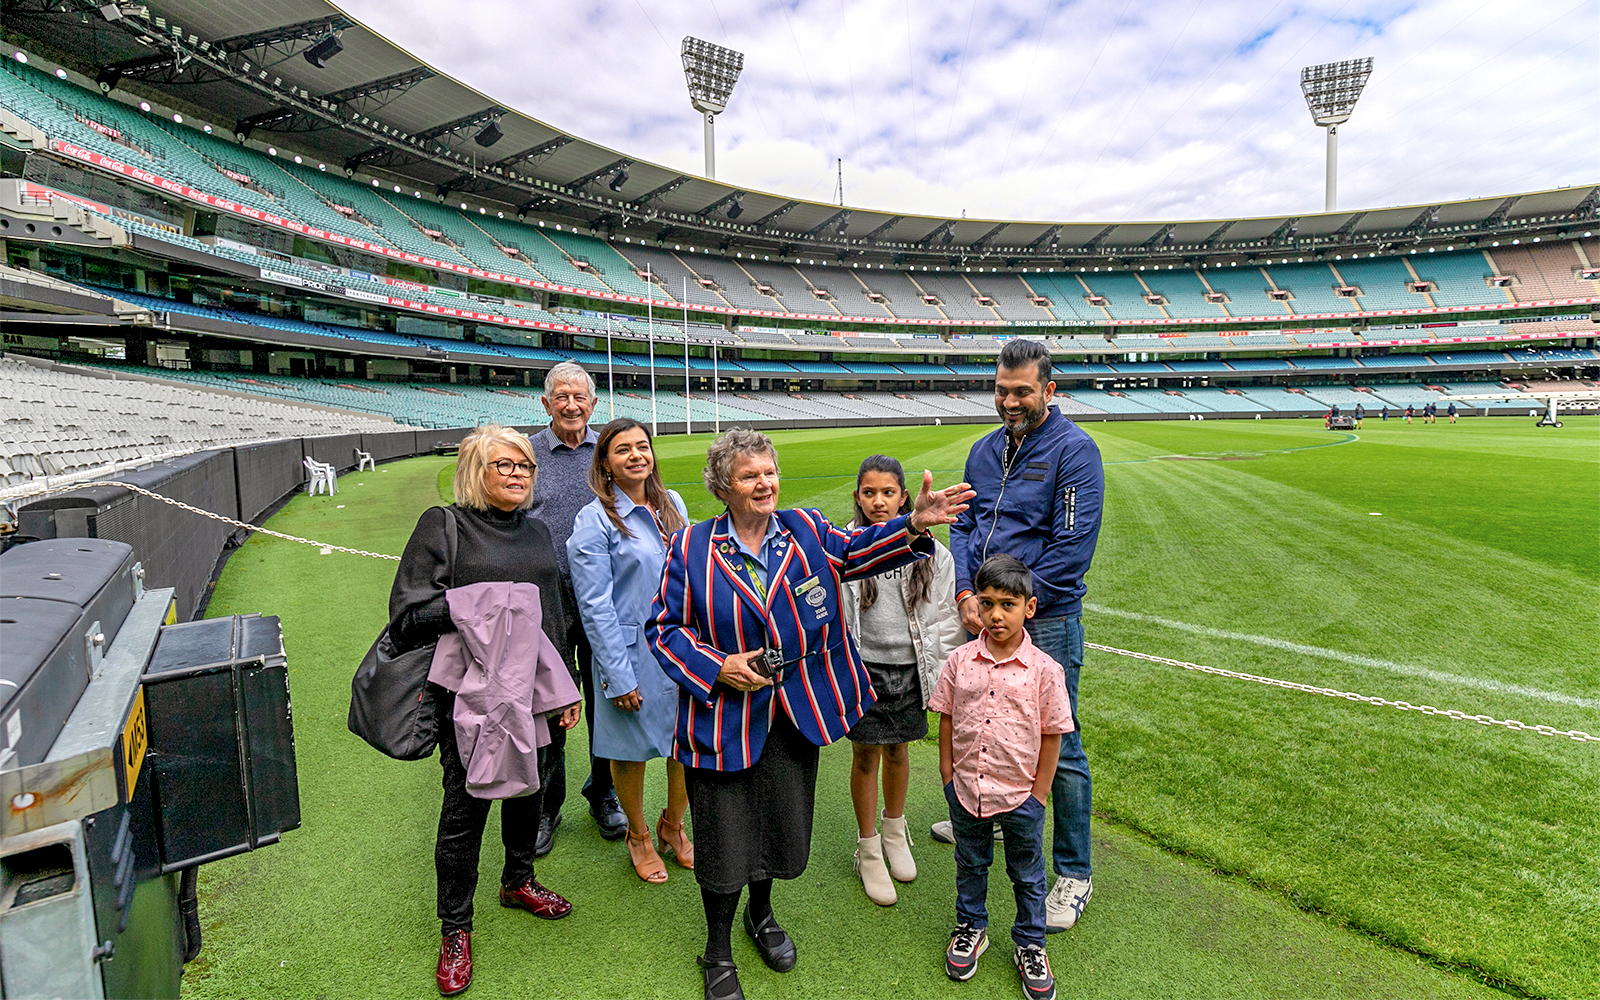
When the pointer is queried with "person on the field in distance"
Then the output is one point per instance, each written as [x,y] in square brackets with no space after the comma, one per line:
[565,451]
[1039,482]
[905,623]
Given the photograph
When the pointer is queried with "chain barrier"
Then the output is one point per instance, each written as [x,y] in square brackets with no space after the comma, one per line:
[69,487]
[1404,706]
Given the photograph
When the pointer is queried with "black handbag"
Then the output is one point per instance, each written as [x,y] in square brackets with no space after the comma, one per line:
[389,703]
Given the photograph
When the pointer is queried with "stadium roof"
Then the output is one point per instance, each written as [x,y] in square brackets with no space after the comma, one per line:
[374,108]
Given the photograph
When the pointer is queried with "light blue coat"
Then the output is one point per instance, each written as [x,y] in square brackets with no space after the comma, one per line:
[615,579]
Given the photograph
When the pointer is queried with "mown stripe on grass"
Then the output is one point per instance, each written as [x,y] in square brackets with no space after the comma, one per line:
[1408,670]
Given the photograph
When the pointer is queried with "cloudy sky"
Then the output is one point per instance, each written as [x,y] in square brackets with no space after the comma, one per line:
[1053,109]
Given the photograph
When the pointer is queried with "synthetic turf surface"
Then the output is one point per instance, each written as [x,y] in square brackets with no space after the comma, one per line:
[1468,845]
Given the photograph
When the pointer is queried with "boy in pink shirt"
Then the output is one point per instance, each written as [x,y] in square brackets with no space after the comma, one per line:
[1002,707]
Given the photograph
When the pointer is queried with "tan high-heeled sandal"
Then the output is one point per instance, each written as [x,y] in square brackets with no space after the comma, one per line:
[646,862]
[674,839]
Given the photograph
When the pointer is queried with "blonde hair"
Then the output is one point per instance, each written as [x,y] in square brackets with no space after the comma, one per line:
[472,464]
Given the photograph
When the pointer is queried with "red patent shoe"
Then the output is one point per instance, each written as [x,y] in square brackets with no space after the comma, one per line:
[454,973]
[536,899]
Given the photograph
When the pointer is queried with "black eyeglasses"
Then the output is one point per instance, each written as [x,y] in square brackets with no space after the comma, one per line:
[506,467]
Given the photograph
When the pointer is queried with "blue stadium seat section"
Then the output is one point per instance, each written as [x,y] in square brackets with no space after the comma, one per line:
[1461,279]
[1184,293]
[1312,286]
[1246,289]
[1126,296]
[1385,284]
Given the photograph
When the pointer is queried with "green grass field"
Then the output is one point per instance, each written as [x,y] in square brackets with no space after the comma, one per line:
[1250,841]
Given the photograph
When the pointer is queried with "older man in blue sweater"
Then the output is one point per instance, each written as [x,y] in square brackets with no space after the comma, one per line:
[1039,484]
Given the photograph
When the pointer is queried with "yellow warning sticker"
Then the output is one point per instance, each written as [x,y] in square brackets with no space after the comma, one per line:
[135,741]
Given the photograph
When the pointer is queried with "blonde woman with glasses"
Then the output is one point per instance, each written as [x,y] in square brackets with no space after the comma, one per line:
[495,542]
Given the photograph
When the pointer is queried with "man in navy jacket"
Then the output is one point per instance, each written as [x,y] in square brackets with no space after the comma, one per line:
[1039,484]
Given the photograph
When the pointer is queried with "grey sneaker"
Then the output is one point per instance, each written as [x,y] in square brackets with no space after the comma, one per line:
[1034,966]
[1066,901]
[945,833]
[967,945]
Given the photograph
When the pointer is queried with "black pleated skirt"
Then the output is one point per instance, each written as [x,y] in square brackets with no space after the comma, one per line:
[755,824]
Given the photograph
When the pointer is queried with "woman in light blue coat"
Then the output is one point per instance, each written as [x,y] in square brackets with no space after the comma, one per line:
[616,552]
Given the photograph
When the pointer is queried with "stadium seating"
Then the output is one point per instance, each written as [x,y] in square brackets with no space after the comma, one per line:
[1225,401]
[671,275]
[54,422]
[1126,296]
[1008,294]
[607,271]
[1184,293]
[1066,296]
[1312,286]
[1346,399]
[1115,401]
[1384,284]
[1164,401]
[403,220]
[1458,278]
[1246,289]
[957,298]
[1258,364]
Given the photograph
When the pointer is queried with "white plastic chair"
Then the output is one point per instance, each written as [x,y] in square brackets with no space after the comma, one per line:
[364,460]
[323,478]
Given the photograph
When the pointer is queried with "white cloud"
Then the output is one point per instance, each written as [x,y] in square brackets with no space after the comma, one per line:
[1053,109]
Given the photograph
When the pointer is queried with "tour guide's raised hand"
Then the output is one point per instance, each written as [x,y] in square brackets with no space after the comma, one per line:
[938,506]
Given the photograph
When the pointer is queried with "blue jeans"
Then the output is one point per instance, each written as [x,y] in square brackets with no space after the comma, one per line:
[1024,846]
[1062,640]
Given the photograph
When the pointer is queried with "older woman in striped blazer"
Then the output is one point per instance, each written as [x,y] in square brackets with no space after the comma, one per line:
[748,625]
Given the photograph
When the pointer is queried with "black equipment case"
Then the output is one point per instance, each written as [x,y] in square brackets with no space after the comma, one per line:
[221,738]
[62,603]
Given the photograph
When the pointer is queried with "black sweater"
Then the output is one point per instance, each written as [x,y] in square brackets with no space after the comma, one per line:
[491,546]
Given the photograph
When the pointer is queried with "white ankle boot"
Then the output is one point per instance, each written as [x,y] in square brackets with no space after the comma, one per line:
[874,876]
[897,849]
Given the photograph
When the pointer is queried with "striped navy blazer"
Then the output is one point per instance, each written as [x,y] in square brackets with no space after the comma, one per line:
[707,609]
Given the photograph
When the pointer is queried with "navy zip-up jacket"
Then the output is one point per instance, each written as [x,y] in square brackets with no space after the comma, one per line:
[1044,509]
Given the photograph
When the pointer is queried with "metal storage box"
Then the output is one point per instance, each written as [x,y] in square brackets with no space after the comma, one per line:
[61,605]
[222,739]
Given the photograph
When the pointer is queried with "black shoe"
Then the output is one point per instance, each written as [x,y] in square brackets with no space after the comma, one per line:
[722,979]
[609,817]
[547,834]
[774,943]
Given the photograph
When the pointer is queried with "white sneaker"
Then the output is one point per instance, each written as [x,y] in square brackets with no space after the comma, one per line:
[1065,903]
[945,833]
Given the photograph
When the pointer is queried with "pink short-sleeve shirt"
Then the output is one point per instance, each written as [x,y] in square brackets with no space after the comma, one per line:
[999,711]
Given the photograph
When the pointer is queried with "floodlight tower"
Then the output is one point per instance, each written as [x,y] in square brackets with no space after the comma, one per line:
[711,71]
[1331,91]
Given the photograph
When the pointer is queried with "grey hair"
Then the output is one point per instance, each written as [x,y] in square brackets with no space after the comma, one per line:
[727,449]
[568,371]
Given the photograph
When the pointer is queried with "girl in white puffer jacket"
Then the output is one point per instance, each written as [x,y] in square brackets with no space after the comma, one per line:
[906,624]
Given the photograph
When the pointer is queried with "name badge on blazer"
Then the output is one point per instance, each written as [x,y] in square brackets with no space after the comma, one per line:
[811,597]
